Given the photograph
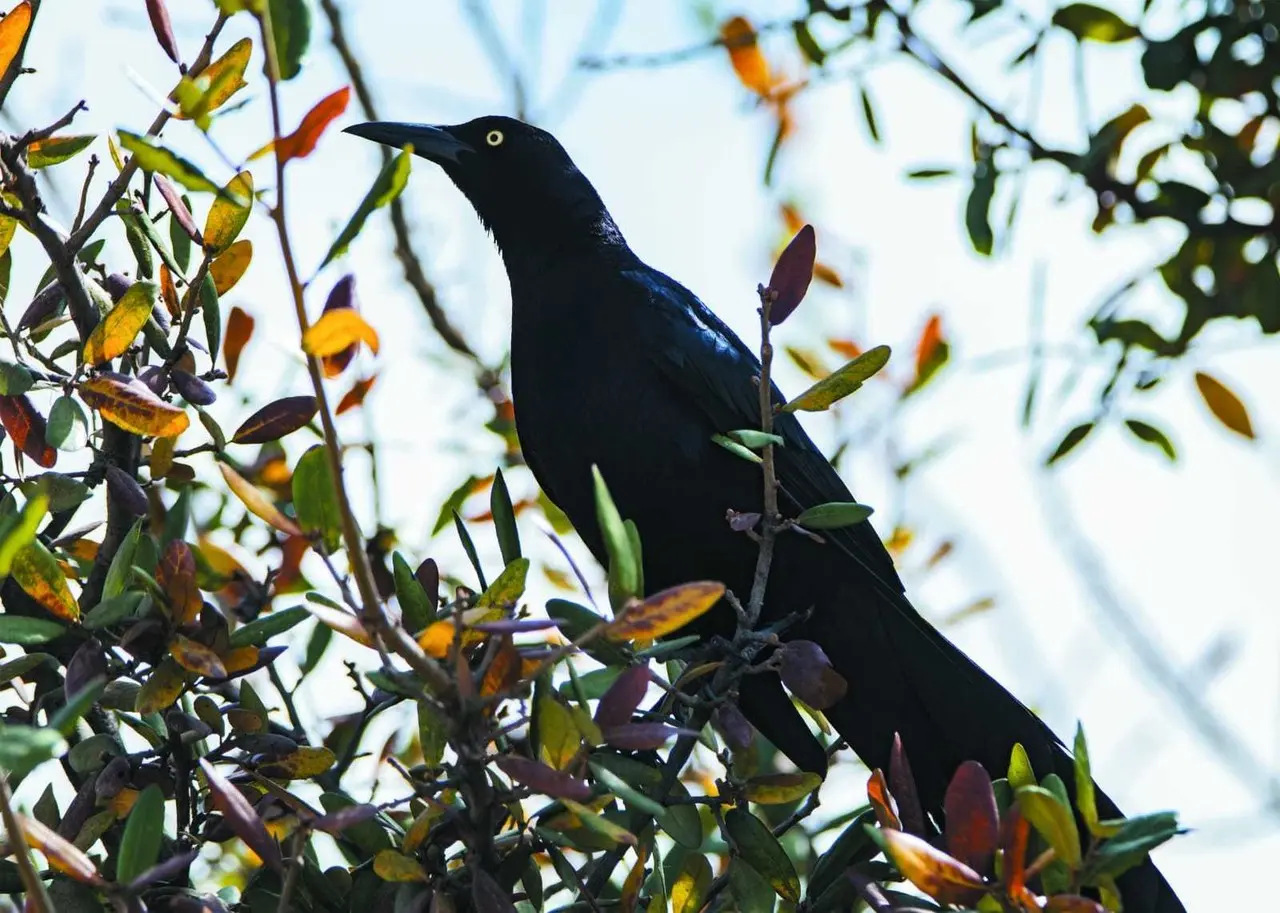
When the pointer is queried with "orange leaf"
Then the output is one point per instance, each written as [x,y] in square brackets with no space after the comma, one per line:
[27,428]
[437,639]
[161,688]
[927,349]
[846,347]
[878,795]
[177,576]
[116,332]
[227,268]
[239,329]
[239,659]
[337,329]
[36,570]
[944,879]
[169,293]
[503,672]
[129,404]
[13,28]
[256,502]
[1225,405]
[63,855]
[666,611]
[355,396]
[301,142]
[742,42]
[340,621]
[196,657]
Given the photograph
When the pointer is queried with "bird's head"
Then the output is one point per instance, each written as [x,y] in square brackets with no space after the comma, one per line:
[523,185]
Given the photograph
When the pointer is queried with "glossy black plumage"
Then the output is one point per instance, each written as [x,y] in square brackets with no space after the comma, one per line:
[615,364]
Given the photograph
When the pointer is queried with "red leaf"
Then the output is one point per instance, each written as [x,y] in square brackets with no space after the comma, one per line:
[240,816]
[792,274]
[641,736]
[541,778]
[878,795]
[973,823]
[163,28]
[239,330]
[623,697]
[808,673]
[903,785]
[26,426]
[302,142]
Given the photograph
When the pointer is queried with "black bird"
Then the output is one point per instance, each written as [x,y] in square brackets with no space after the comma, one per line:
[616,364]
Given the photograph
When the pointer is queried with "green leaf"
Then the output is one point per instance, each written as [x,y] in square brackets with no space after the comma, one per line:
[211,315]
[291,34]
[833,515]
[15,379]
[112,611]
[469,547]
[263,628]
[21,665]
[179,240]
[153,157]
[415,605]
[1069,442]
[689,888]
[368,835]
[808,45]
[625,791]
[760,849]
[869,114]
[315,498]
[1091,23]
[121,568]
[929,174]
[504,519]
[507,588]
[17,533]
[735,448]
[68,427]
[751,893]
[1132,842]
[1149,434]
[756,440]
[853,846]
[1020,772]
[386,187]
[63,492]
[840,383]
[70,713]
[23,747]
[56,149]
[977,211]
[624,571]
[433,733]
[28,632]
[1052,818]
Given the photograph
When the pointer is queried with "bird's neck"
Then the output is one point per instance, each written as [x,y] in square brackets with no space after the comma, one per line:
[590,234]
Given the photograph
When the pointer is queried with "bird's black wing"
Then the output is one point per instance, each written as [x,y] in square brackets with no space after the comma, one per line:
[713,369]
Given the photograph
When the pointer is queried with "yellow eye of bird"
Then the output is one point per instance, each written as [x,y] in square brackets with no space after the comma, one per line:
[494,138]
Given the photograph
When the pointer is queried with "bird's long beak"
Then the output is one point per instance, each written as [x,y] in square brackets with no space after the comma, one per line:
[432,143]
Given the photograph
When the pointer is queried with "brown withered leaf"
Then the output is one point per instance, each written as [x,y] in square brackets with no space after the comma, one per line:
[62,854]
[276,419]
[26,426]
[239,329]
[128,404]
[1224,404]
[256,502]
[623,697]
[196,657]
[177,576]
[163,28]
[541,778]
[355,396]
[665,611]
[177,209]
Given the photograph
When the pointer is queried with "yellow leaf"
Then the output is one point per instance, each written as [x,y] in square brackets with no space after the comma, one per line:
[779,789]
[421,826]
[116,332]
[196,657]
[666,611]
[508,588]
[222,78]
[337,329]
[300,764]
[256,502]
[229,213]
[558,735]
[227,268]
[128,404]
[122,802]
[943,878]
[438,637]
[342,622]
[740,39]
[1225,405]
[392,865]
[37,572]
[7,228]
[161,688]
[13,28]
[239,659]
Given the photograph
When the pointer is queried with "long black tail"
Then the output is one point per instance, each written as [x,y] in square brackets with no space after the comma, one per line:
[904,677]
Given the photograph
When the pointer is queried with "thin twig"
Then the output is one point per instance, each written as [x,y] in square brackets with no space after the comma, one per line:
[371,614]
[118,187]
[769,519]
[35,136]
[84,192]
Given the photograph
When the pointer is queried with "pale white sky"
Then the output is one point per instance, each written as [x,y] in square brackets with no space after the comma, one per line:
[677,154]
